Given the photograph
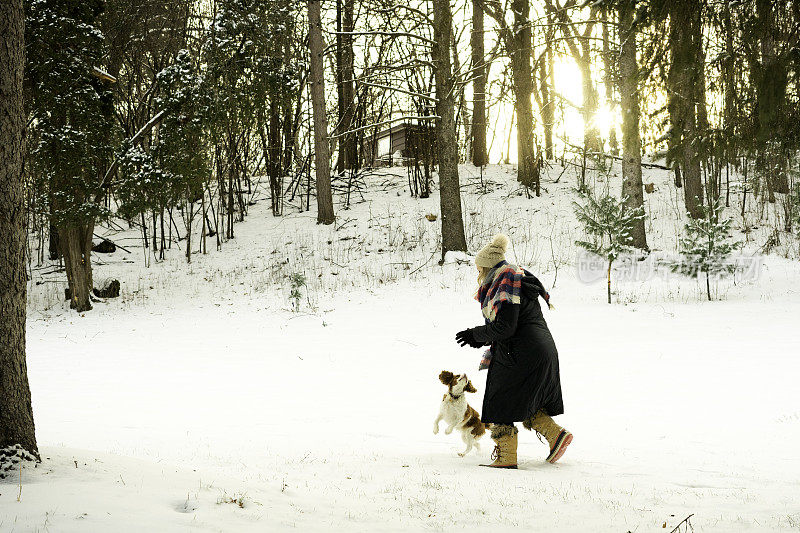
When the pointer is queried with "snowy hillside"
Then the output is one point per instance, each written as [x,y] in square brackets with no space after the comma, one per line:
[202,399]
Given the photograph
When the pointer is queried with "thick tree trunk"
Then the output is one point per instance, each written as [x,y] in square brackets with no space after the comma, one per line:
[321,146]
[682,83]
[453,237]
[771,83]
[527,172]
[479,75]
[16,414]
[76,248]
[629,101]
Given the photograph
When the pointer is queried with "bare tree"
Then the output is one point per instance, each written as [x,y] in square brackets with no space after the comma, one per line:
[479,75]
[16,414]
[453,237]
[322,158]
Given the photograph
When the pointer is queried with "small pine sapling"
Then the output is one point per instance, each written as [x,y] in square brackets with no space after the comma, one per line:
[297,281]
[610,224]
[707,246]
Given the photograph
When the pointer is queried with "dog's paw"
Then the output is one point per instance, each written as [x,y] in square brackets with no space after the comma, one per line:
[448,431]
[435,430]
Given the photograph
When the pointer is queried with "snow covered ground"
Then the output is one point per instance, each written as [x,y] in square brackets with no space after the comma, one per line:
[200,401]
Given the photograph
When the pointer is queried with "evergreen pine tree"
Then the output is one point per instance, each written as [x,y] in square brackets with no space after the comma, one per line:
[610,223]
[706,247]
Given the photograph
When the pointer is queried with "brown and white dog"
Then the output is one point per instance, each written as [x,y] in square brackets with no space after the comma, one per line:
[457,413]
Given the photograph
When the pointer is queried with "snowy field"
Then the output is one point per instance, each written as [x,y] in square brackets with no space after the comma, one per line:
[200,400]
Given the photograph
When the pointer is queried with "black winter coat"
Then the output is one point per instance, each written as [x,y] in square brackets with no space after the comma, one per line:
[523,375]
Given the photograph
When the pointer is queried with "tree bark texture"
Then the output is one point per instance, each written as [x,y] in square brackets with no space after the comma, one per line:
[75,241]
[453,237]
[16,413]
[522,72]
[629,100]
[321,146]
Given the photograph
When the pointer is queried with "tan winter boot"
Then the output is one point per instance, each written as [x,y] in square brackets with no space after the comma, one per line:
[505,449]
[557,437]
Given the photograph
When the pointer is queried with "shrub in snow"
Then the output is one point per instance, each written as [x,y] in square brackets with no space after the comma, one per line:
[297,281]
[609,223]
[13,458]
[706,248]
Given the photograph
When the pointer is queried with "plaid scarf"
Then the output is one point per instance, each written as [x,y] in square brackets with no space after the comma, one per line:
[502,284]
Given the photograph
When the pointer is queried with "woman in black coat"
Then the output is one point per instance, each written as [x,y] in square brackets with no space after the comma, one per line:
[523,384]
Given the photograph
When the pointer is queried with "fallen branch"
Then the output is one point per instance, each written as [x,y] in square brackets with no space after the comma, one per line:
[682,522]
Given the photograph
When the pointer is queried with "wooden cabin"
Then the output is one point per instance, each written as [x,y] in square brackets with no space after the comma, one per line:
[404,142]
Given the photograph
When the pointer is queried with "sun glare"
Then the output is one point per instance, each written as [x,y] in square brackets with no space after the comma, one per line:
[569,127]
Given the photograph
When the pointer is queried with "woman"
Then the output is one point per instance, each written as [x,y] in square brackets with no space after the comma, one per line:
[523,382]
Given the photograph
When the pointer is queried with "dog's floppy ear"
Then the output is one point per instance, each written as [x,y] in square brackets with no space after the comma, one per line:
[446,377]
[469,387]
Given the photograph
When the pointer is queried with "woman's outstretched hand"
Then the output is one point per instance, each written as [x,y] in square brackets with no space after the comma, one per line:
[466,337]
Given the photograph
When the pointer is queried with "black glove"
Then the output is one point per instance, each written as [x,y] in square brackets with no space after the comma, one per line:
[467,337]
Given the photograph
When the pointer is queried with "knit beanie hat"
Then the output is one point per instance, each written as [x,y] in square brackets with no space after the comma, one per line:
[492,253]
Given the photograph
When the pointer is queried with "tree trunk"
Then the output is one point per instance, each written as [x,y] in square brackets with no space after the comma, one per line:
[479,75]
[729,84]
[321,146]
[53,251]
[629,101]
[16,413]
[682,83]
[348,150]
[527,172]
[547,110]
[190,218]
[274,164]
[76,248]
[771,82]
[548,82]
[591,136]
[608,65]
[453,237]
